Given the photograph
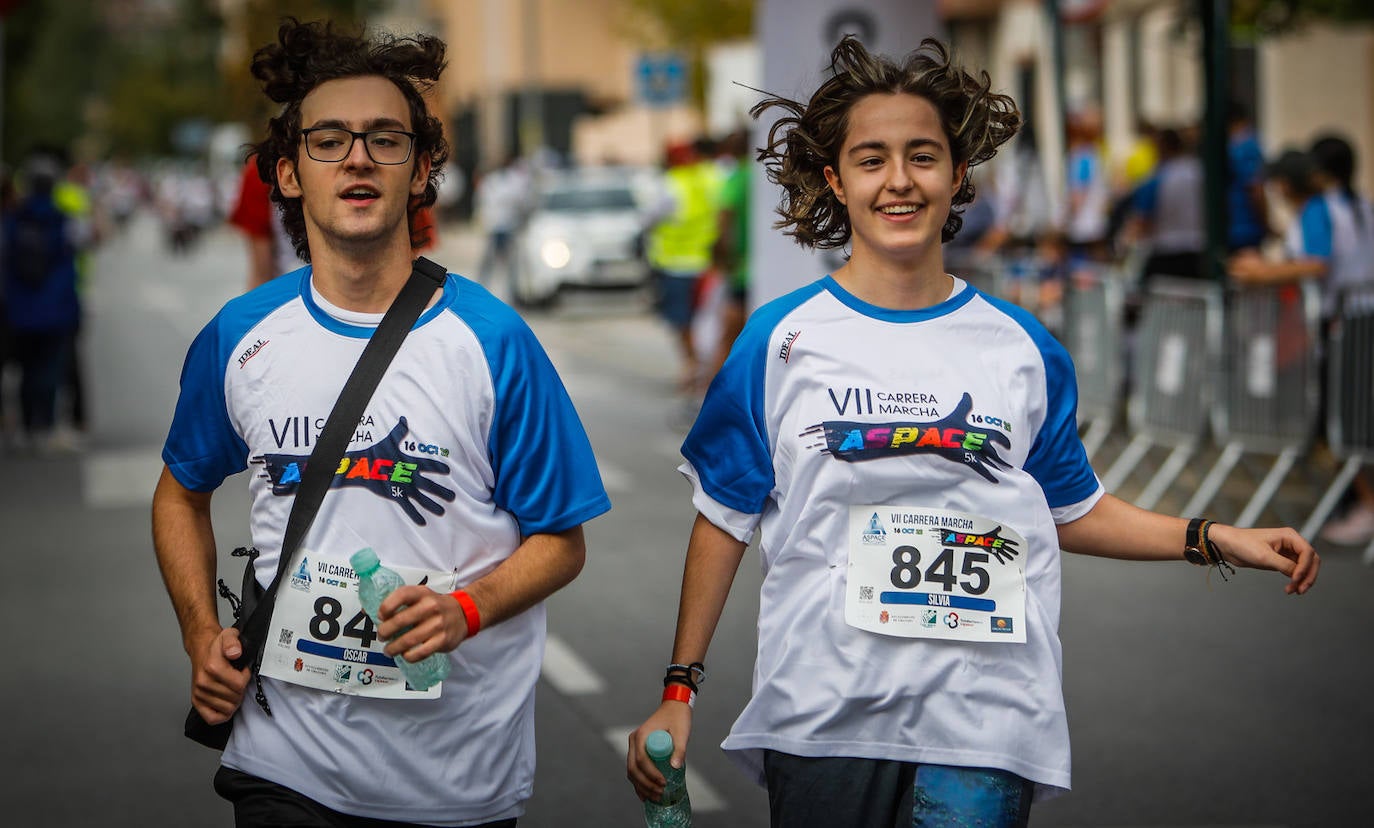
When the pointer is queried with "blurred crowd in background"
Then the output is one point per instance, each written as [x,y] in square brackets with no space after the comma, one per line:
[680,232]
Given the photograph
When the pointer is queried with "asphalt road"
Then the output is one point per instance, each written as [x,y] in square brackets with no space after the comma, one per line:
[1191,704]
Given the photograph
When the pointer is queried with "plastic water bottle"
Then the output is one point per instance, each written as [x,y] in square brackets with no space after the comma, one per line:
[375,582]
[674,808]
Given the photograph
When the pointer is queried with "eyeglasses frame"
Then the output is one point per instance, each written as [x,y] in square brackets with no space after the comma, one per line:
[353,139]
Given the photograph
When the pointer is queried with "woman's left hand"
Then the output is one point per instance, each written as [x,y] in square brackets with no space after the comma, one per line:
[1282,550]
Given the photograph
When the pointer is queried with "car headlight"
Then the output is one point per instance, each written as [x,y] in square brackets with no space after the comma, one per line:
[555,253]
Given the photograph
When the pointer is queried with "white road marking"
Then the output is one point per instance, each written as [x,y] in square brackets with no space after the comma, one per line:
[120,478]
[671,447]
[614,478]
[567,672]
[704,797]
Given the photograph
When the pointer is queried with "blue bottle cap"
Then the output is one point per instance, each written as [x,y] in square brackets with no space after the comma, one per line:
[364,561]
[659,745]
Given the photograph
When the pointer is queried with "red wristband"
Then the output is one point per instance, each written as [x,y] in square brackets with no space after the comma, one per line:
[470,613]
[680,692]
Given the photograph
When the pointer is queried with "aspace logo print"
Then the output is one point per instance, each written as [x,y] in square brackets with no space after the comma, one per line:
[383,468]
[952,437]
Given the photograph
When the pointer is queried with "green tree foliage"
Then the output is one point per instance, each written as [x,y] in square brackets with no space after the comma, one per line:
[1277,16]
[96,79]
[256,26]
[51,66]
[161,80]
[99,79]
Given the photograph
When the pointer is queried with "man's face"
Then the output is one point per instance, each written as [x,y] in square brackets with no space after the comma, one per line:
[355,202]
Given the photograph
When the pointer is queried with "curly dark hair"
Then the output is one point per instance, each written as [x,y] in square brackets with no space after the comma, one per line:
[309,54]
[809,136]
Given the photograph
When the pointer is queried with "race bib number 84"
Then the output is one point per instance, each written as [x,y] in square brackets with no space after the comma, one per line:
[321,638]
[931,573]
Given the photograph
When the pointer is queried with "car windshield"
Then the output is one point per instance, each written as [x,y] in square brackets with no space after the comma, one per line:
[589,198]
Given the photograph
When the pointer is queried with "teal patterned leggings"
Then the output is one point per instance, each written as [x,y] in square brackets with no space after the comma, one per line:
[947,797]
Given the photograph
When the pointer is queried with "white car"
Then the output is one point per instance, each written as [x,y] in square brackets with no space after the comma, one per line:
[585,230]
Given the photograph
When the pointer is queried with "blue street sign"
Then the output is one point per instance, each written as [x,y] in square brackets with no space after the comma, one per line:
[661,78]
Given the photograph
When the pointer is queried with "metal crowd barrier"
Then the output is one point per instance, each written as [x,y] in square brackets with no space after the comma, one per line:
[1178,345]
[1092,336]
[1268,387]
[985,272]
[1349,400]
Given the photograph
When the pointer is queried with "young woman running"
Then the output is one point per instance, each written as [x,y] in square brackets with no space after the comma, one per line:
[907,449]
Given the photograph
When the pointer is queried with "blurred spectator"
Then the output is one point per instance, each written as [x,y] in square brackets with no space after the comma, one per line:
[731,253]
[122,193]
[680,246]
[1088,192]
[270,253]
[980,217]
[73,197]
[186,202]
[1332,235]
[1136,168]
[1330,238]
[40,297]
[1245,201]
[1352,220]
[1018,197]
[502,200]
[1168,209]
[8,410]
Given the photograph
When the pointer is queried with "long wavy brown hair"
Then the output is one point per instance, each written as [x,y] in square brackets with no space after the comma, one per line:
[308,54]
[808,137]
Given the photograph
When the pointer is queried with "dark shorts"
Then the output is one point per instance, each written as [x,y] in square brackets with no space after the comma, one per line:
[806,792]
[259,803]
[676,297]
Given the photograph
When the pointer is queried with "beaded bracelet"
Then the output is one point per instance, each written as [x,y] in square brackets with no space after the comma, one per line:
[696,671]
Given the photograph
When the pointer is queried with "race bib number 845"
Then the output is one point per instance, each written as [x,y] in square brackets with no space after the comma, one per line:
[931,573]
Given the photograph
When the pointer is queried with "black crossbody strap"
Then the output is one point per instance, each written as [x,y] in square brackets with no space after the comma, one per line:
[339,427]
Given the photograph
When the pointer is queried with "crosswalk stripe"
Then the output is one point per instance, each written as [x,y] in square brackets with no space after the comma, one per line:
[614,478]
[119,478]
[567,672]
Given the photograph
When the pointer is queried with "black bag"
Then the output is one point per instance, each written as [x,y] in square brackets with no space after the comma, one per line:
[196,728]
[254,612]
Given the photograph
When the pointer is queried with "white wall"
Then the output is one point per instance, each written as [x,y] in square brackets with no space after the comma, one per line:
[796,37]
[1316,80]
[731,69]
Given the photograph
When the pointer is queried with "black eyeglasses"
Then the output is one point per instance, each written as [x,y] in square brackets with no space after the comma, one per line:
[332,145]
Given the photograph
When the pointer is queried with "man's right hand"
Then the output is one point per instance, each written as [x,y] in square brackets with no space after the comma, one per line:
[217,687]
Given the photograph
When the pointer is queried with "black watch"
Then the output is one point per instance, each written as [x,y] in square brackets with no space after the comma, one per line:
[1194,551]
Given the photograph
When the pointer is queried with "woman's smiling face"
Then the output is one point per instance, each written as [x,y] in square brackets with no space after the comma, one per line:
[896,177]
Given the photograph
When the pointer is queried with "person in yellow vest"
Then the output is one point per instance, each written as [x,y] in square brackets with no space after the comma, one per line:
[680,244]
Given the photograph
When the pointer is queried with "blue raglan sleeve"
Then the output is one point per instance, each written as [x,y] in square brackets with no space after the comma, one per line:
[546,473]
[1057,459]
[202,446]
[728,447]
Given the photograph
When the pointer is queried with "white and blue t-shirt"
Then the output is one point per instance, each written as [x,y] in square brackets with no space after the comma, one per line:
[1339,229]
[827,402]
[469,443]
